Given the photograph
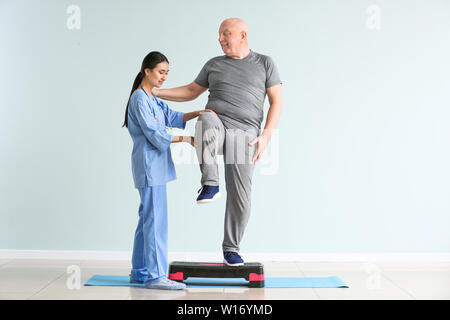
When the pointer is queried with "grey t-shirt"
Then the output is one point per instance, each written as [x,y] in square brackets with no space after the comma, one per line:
[238,88]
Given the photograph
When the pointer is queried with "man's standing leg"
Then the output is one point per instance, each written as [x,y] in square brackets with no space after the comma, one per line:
[238,177]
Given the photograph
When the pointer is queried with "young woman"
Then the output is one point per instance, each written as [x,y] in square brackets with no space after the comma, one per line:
[146,118]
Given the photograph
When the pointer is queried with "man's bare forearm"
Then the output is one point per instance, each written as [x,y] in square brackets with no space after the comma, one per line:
[273,116]
[179,94]
[274,113]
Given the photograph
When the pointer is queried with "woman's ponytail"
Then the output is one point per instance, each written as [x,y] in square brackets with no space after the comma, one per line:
[150,62]
[136,83]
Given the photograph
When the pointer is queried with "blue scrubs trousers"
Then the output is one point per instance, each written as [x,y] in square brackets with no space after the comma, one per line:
[150,259]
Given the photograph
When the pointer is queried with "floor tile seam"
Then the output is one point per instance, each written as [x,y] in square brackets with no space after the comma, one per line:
[398,286]
[47,285]
[383,275]
[304,275]
[297,264]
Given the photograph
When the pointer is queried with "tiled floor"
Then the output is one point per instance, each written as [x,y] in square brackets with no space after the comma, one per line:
[50,279]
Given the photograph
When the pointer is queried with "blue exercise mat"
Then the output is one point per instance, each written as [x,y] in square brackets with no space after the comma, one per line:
[307,282]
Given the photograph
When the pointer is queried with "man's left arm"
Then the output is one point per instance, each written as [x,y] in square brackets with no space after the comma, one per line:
[273,116]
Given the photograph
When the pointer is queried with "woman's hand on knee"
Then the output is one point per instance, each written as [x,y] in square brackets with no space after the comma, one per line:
[194,114]
[206,110]
[190,140]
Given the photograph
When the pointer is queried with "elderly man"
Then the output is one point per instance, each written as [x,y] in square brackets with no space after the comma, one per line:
[238,83]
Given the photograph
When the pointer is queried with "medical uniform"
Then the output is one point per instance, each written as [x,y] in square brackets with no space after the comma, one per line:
[152,167]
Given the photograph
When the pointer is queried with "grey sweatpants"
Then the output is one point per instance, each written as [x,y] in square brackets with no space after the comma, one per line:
[214,137]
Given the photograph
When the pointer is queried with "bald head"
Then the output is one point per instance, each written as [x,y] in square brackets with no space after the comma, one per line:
[233,37]
[235,23]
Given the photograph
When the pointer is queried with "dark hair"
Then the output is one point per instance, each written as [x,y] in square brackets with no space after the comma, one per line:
[150,61]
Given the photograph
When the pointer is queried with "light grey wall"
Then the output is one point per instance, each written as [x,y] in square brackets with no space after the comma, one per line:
[360,162]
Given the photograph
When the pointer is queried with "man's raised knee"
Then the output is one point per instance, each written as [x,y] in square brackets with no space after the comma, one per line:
[207,116]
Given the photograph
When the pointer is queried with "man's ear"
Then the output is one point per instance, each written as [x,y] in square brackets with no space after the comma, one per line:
[243,35]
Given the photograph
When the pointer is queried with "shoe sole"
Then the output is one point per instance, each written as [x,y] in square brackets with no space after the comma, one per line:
[174,286]
[132,280]
[233,264]
[216,196]
[165,288]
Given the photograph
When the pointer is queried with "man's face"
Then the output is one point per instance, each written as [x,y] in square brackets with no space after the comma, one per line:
[230,39]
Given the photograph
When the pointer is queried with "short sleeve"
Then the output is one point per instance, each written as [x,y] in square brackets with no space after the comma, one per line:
[202,78]
[272,75]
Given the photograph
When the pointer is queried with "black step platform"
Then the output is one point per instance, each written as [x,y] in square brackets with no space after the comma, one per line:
[252,272]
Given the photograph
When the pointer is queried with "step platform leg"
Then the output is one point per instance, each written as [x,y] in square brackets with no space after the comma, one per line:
[255,280]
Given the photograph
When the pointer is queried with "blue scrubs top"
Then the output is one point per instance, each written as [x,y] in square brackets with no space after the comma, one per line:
[151,159]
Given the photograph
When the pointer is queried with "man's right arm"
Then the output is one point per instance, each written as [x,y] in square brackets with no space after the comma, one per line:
[180,94]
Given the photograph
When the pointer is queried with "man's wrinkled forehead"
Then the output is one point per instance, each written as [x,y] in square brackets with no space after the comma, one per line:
[226,27]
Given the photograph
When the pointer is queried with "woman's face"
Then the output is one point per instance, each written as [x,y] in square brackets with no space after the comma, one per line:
[158,74]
